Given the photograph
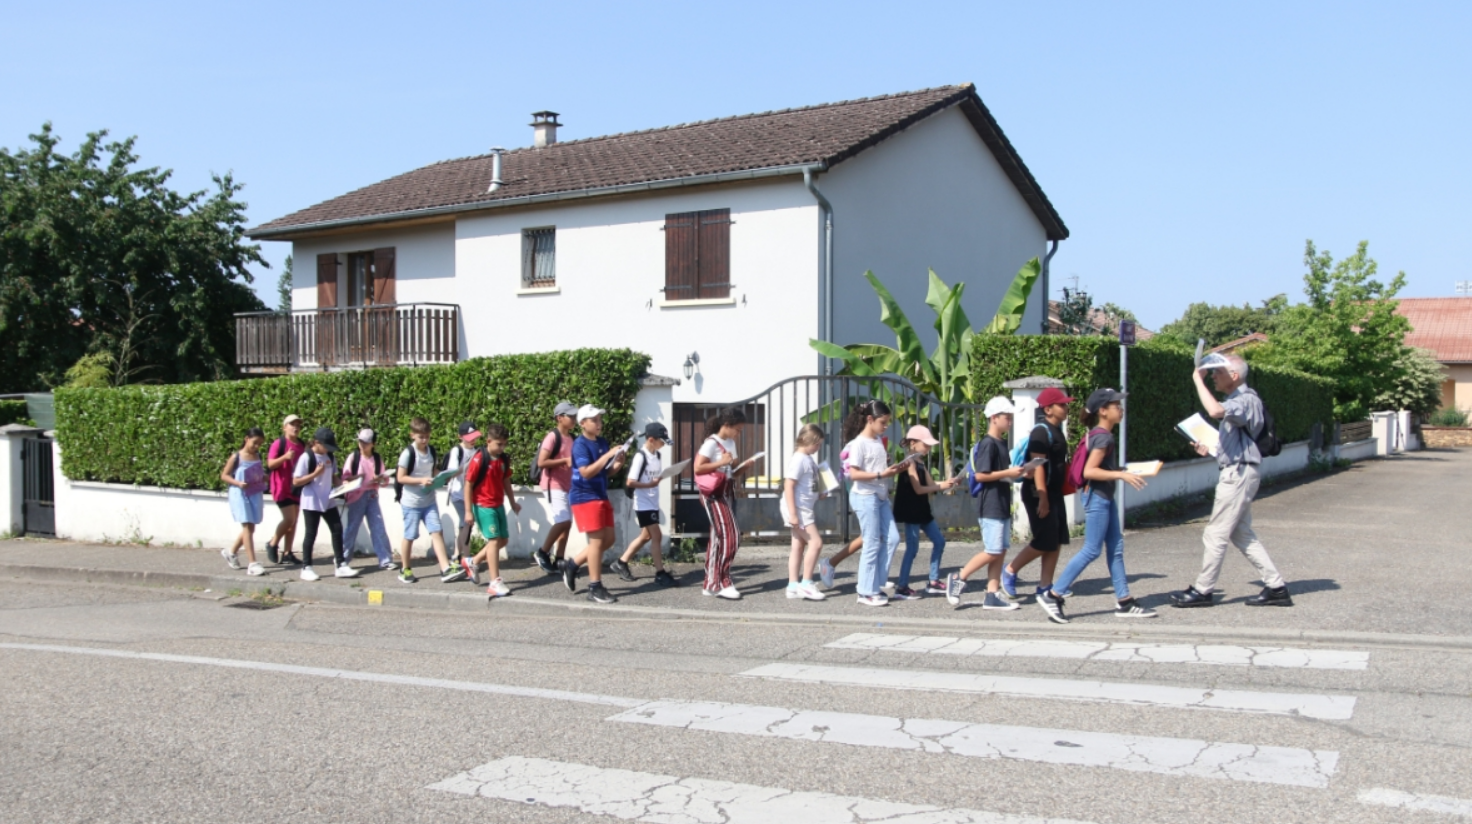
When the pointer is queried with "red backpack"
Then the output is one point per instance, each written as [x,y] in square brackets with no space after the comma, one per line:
[1075,480]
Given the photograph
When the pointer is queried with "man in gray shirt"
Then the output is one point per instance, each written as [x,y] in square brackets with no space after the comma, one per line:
[1242,419]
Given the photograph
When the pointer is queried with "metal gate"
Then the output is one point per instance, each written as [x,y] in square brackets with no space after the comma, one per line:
[39,488]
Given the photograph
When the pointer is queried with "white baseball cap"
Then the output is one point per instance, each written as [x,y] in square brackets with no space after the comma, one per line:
[367,436]
[587,411]
[998,406]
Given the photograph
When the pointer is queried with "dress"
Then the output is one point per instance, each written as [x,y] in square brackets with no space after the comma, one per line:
[247,505]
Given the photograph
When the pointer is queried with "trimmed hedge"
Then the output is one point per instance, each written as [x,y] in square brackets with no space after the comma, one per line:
[181,435]
[1161,392]
[14,412]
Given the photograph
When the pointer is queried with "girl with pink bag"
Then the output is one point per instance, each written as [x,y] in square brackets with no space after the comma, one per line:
[715,473]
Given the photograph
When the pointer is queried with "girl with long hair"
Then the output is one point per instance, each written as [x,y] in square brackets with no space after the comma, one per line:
[716,470]
[868,468]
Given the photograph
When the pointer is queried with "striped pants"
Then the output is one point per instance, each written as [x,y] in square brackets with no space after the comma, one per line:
[725,539]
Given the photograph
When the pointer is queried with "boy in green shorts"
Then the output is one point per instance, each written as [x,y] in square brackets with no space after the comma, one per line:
[487,489]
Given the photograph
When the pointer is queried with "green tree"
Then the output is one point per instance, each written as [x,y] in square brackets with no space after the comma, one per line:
[99,255]
[1220,324]
[1416,384]
[1076,313]
[283,289]
[1347,330]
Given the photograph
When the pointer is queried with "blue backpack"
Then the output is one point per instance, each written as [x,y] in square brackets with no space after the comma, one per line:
[974,486]
[1019,454]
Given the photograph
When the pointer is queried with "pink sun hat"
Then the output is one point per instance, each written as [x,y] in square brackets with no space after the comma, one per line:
[921,434]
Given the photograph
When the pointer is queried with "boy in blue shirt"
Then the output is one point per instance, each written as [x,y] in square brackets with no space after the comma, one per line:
[592,461]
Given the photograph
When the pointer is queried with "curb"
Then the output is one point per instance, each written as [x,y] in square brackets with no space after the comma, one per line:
[531,605]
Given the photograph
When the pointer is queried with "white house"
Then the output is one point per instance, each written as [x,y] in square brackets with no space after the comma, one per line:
[736,240]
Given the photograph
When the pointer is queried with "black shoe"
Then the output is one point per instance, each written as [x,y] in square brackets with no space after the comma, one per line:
[543,561]
[598,595]
[665,579]
[271,553]
[1270,597]
[621,569]
[1190,598]
[569,575]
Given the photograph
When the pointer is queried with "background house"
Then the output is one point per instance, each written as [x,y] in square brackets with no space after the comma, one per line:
[1444,326]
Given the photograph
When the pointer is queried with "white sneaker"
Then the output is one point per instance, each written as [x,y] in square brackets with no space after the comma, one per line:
[888,589]
[255,569]
[874,600]
[346,571]
[498,589]
[231,558]
[309,574]
[825,573]
[730,594]
[810,592]
[793,593]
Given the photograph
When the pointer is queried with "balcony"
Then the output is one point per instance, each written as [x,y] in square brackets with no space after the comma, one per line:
[308,340]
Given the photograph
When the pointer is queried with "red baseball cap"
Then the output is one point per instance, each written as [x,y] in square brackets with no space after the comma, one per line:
[1050,396]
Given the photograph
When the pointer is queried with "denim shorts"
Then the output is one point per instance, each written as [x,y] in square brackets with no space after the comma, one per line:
[996,535]
[430,515]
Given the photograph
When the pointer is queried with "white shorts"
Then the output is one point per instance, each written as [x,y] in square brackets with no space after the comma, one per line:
[557,507]
[804,516]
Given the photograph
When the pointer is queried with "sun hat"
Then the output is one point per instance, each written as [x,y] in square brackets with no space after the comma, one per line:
[587,411]
[921,434]
[1050,396]
[999,406]
[367,436]
[1102,398]
[325,436]
[1213,361]
[564,408]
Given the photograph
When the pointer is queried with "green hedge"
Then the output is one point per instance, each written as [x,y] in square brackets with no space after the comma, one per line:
[179,436]
[14,412]
[1161,392]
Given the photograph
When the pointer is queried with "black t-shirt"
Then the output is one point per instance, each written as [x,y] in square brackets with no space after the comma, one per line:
[1048,441]
[1103,439]
[995,500]
[910,508]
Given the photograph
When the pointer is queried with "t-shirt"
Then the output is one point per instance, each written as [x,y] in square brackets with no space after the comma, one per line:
[357,466]
[868,455]
[712,452]
[911,507]
[490,485]
[460,455]
[557,477]
[586,452]
[1103,439]
[1048,441]
[1243,418]
[645,467]
[281,488]
[995,500]
[419,465]
[802,470]
[316,493]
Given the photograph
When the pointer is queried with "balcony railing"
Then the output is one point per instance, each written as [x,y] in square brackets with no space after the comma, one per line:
[401,334]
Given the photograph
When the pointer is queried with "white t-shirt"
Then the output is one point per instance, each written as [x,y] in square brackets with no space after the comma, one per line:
[646,467]
[802,470]
[315,493]
[713,453]
[460,455]
[416,497]
[867,455]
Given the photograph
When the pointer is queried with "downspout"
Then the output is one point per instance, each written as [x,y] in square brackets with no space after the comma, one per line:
[825,364]
[1051,252]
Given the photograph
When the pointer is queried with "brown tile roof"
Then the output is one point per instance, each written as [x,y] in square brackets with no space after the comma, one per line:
[825,134]
[1443,325]
[1234,345]
[1097,321]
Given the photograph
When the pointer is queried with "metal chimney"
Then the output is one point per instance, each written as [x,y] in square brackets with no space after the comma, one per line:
[544,125]
[495,168]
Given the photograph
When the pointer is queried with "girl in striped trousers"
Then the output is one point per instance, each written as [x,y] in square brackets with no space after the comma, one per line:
[716,470]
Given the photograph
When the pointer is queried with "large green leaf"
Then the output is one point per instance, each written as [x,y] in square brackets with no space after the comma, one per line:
[852,364]
[1009,312]
[907,340]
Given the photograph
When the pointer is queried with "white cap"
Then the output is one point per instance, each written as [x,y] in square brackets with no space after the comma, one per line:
[587,411]
[367,436]
[1214,361]
[998,406]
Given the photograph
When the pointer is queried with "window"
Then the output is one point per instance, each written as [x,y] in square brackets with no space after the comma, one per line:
[371,278]
[539,258]
[360,278]
[697,255]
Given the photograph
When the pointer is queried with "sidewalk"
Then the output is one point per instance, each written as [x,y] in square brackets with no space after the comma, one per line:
[1359,548]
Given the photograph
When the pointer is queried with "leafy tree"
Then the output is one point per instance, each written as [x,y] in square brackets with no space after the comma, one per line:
[98,255]
[1416,385]
[1076,313]
[283,289]
[1221,324]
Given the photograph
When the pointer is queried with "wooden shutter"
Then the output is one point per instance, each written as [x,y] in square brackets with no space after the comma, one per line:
[326,318]
[382,331]
[713,249]
[681,275]
[384,289]
[327,281]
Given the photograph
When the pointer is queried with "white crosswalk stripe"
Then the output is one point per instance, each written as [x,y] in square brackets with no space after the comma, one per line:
[666,799]
[1381,797]
[1217,654]
[1327,707]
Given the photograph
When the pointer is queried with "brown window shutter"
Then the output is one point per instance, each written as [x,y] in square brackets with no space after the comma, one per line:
[680,258]
[384,290]
[714,249]
[327,281]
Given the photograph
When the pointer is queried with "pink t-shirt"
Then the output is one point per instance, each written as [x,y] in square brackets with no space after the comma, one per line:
[357,466]
[557,477]
[281,488]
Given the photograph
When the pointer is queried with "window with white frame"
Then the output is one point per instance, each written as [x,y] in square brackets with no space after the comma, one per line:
[539,258]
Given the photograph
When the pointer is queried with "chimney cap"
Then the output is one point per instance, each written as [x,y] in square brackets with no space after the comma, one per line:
[544,118]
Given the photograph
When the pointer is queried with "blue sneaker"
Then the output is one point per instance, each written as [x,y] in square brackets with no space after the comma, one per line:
[1009,584]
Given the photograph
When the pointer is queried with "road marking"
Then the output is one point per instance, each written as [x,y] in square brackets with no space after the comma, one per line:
[1166,756]
[348,675]
[641,796]
[1326,707]
[1222,655]
[1382,797]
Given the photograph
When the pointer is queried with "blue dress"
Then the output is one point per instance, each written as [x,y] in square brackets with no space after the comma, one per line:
[247,506]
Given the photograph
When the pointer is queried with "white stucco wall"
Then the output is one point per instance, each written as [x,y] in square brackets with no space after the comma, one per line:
[423,255]
[931,197]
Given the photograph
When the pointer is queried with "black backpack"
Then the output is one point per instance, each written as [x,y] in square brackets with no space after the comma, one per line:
[350,465]
[1268,443]
[536,473]
[637,477]
[413,465]
[485,465]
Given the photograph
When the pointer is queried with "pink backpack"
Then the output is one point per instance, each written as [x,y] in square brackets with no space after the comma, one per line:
[1080,460]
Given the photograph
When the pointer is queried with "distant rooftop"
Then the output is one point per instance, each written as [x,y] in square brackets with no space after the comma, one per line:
[1442,325]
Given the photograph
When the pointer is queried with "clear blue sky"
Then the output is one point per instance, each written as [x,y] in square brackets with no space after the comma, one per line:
[1191,148]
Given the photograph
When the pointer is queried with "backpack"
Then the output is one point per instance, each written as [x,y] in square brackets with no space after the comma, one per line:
[350,466]
[485,465]
[1019,453]
[1080,460]
[974,486]
[536,473]
[633,476]
[1267,440]
[413,465]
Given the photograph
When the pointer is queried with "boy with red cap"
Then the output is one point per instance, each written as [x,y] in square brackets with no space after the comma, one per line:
[1042,494]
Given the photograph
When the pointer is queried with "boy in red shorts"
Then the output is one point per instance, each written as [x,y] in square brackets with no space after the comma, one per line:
[592,513]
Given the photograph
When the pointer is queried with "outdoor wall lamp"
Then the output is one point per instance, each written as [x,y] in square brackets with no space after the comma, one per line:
[692,361]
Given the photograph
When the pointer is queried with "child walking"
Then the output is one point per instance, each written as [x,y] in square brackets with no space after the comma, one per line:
[715,475]
[912,508]
[554,458]
[644,469]
[419,505]
[992,465]
[798,498]
[1042,495]
[363,502]
[592,461]
[1102,413]
[281,459]
[868,467]
[459,458]
[246,477]
[487,490]
[314,475]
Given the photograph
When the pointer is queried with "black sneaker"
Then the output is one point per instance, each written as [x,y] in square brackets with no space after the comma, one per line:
[271,554]
[569,575]
[621,569]
[451,574]
[544,561]
[665,579]
[1190,598]
[1270,597]
[1053,606]
[1131,609]
[598,595]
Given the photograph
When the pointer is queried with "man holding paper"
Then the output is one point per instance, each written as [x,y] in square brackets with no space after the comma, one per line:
[1242,419]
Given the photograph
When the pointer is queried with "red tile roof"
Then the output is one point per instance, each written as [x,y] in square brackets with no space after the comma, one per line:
[1443,325]
[1097,321]
[780,140]
[1234,345]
